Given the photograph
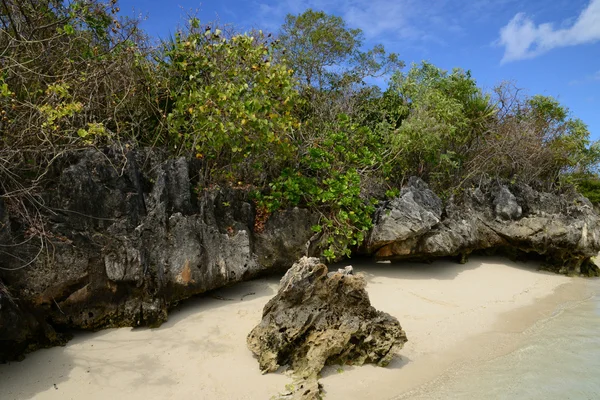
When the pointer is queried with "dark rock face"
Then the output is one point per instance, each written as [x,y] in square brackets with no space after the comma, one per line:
[317,319]
[19,329]
[562,228]
[125,243]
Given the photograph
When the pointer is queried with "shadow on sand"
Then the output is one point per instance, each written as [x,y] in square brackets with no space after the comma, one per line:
[442,269]
[100,355]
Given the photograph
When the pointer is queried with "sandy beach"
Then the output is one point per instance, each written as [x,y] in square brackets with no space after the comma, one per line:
[453,314]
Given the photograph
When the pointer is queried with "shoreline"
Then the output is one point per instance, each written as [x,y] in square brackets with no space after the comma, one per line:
[512,331]
[542,354]
[453,315]
[500,333]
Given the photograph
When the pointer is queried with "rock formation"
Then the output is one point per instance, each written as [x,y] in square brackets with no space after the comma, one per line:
[124,235]
[317,319]
[563,229]
[125,239]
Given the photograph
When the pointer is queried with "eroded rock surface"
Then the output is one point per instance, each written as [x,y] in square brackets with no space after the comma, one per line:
[564,229]
[124,235]
[127,238]
[317,319]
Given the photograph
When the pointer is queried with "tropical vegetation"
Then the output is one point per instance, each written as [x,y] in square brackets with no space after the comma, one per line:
[293,115]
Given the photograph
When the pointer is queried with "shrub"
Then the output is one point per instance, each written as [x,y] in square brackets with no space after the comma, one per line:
[72,74]
[533,140]
[229,103]
[435,118]
[328,177]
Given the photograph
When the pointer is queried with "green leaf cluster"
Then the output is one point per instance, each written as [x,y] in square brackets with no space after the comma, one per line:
[229,102]
[328,177]
[435,116]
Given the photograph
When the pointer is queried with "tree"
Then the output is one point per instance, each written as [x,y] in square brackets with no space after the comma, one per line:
[325,53]
[435,116]
[532,140]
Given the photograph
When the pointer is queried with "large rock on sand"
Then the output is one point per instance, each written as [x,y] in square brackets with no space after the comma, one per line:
[317,319]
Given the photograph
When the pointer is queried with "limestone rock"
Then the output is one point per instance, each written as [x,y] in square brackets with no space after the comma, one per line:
[564,229]
[410,215]
[317,319]
[129,240]
[506,206]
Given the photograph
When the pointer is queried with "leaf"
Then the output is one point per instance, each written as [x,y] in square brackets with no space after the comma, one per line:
[68,29]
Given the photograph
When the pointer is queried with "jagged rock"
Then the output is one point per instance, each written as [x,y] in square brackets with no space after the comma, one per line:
[506,206]
[317,319]
[564,229]
[408,216]
[130,239]
[418,209]
[132,233]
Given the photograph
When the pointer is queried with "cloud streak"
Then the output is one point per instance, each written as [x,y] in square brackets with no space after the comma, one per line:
[381,20]
[523,39]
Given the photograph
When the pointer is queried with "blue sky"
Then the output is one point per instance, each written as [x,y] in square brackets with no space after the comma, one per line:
[545,47]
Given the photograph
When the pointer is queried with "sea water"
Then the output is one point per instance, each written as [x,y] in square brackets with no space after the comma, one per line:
[558,360]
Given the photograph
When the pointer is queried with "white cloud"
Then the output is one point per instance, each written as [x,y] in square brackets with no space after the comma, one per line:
[523,39]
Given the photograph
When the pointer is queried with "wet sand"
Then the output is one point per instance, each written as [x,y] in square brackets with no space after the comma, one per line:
[453,315]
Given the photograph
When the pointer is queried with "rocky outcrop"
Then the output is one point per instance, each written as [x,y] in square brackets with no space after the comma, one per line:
[406,218]
[125,238]
[119,236]
[563,229]
[317,319]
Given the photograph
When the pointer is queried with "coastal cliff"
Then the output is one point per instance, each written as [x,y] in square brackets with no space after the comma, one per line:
[124,237]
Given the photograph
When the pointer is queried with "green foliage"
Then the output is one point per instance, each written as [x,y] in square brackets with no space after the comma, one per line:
[436,115]
[314,41]
[73,74]
[230,104]
[328,178]
[331,66]
[534,140]
[590,188]
[566,138]
[70,64]
[294,117]
[59,108]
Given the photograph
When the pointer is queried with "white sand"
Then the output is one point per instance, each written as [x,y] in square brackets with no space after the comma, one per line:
[451,313]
